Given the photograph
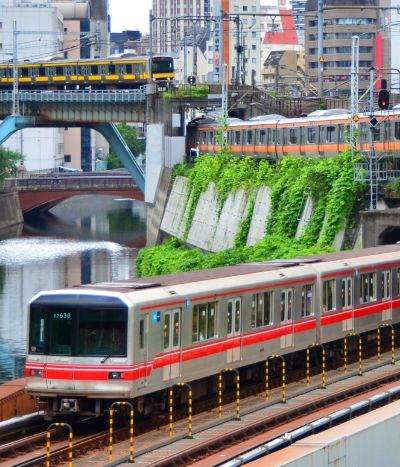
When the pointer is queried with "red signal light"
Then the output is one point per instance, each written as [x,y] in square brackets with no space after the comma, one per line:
[383,99]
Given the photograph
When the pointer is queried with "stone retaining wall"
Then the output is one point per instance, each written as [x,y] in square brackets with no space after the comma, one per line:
[10,210]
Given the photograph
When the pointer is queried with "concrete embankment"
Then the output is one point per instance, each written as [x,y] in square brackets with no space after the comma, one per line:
[10,211]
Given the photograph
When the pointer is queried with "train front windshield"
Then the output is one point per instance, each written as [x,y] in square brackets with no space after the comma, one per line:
[74,331]
[162,65]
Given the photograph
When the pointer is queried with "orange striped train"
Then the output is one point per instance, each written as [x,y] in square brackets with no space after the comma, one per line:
[93,344]
[322,133]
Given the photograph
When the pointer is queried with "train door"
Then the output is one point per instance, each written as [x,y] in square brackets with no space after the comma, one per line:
[172,343]
[287,339]
[347,303]
[234,327]
[143,355]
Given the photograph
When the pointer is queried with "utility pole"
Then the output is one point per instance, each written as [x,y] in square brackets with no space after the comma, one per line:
[354,91]
[238,51]
[195,49]
[321,48]
[221,53]
[15,97]
[372,158]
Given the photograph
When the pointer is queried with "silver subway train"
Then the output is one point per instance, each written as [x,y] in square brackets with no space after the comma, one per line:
[90,345]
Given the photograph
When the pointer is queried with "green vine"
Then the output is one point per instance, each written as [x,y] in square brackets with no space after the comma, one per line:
[244,226]
[329,182]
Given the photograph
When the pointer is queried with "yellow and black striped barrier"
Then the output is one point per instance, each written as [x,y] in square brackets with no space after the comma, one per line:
[111,421]
[386,325]
[283,376]
[70,438]
[323,361]
[190,404]
[351,334]
[234,370]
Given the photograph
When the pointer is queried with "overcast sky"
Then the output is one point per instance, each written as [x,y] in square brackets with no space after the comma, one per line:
[129,14]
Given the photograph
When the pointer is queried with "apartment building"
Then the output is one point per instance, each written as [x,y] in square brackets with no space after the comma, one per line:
[341,23]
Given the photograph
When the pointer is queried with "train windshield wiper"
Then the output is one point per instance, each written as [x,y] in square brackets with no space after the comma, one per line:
[105,359]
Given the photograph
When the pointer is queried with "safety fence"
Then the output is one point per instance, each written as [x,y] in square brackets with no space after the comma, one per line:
[118,405]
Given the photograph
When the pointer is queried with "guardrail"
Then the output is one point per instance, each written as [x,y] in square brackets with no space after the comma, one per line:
[126,95]
[60,183]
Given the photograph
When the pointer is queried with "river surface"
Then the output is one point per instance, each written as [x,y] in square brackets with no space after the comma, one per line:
[84,239]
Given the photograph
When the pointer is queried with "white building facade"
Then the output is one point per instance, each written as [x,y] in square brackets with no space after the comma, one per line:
[47,29]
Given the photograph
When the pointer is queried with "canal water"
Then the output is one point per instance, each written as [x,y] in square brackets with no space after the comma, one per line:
[82,240]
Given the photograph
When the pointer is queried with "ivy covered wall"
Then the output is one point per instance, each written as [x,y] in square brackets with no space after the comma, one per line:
[329,182]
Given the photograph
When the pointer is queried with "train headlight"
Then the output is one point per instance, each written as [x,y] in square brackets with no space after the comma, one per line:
[36,372]
[115,375]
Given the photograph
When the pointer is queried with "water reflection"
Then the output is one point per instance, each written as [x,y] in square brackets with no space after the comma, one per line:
[81,241]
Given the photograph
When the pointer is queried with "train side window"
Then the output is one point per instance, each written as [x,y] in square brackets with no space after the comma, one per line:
[307,300]
[111,69]
[141,334]
[94,70]
[204,137]
[287,296]
[386,129]
[347,293]
[341,137]
[42,71]
[262,137]
[397,130]
[261,309]
[249,137]
[166,330]
[329,295]
[311,135]
[237,137]
[59,71]
[321,132]
[398,282]
[385,285]
[293,135]
[330,134]
[129,69]
[25,72]
[273,136]
[284,136]
[204,321]
[376,133]
[367,287]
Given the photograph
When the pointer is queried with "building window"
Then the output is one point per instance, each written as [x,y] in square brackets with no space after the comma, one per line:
[307,300]
[261,310]
[367,287]
[244,8]
[329,295]
[67,158]
[204,321]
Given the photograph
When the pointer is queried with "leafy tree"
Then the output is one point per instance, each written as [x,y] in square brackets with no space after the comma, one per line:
[9,162]
[136,145]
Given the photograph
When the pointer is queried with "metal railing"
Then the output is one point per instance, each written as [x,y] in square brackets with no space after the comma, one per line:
[123,96]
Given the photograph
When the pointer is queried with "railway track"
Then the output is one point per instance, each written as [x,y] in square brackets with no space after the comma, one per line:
[213,434]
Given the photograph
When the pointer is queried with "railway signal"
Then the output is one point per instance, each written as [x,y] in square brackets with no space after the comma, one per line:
[383,99]
[191,80]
